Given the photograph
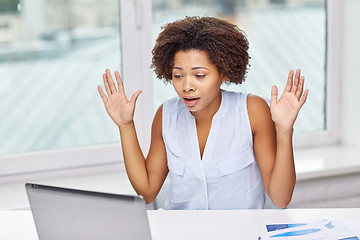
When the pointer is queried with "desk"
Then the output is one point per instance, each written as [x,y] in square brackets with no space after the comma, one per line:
[209,225]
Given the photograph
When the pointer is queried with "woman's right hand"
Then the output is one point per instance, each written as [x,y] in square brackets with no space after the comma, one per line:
[120,109]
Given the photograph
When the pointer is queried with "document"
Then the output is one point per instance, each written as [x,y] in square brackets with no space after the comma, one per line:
[319,229]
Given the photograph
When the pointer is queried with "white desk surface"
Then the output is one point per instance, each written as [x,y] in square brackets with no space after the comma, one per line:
[165,225]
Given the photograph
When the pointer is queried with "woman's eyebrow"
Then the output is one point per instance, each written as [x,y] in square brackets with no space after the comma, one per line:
[193,68]
[179,68]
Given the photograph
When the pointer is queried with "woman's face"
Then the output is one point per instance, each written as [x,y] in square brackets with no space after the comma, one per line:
[197,81]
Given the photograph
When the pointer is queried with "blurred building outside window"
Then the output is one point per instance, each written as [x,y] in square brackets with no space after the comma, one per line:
[52,56]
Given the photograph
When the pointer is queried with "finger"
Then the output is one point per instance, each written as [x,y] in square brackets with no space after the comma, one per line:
[106,84]
[119,82]
[102,94]
[296,81]
[300,89]
[274,95]
[135,96]
[289,81]
[110,81]
[304,97]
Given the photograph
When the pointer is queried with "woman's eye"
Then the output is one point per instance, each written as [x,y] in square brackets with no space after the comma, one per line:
[177,76]
[200,75]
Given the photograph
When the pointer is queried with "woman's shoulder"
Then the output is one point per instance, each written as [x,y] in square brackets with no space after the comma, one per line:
[254,101]
[258,110]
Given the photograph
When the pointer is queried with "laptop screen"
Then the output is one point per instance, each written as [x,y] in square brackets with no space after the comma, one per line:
[62,213]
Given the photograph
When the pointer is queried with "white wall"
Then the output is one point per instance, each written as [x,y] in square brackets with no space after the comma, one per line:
[350,77]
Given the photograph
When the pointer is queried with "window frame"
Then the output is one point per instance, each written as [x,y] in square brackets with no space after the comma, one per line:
[330,135]
[107,157]
[136,48]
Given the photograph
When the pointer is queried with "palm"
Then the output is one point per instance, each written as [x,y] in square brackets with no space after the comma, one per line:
[285,110]
[120,109]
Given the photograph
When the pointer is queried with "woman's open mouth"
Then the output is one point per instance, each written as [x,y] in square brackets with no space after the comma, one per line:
[191,101]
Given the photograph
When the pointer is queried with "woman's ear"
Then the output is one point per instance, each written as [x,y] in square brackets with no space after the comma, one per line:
[224,78]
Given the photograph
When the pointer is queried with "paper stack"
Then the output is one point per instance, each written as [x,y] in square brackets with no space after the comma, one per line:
[319,229]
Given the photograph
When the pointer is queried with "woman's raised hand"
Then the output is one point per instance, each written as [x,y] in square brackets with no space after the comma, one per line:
[285,110]
[120,109]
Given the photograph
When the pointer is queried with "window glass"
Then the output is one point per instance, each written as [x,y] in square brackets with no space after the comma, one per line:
[52,55]
[282,34]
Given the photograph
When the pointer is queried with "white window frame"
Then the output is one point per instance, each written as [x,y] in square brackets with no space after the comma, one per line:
[137,74]
[136,50]
[330,135]
[136,27]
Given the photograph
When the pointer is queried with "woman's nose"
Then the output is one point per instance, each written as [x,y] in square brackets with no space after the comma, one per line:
[188,84]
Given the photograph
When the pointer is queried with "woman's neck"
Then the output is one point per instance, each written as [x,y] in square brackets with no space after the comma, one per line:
[206,115]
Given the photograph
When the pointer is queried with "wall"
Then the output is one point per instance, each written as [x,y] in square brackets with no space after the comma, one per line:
[339,189]
[350,80]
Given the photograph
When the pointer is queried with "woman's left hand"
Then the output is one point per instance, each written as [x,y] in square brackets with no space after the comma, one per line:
[285,110]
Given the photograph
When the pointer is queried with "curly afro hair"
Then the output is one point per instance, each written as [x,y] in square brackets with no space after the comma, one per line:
[225,44]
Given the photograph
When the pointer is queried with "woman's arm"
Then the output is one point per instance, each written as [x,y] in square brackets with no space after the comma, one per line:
[272,135]
[146,175]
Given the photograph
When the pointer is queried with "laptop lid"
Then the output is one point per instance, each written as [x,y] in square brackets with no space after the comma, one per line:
[63,213]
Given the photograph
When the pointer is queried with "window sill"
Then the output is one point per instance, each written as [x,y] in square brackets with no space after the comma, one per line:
[311,163]
[327,161]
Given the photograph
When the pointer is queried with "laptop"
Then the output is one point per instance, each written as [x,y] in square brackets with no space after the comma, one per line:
[71,214]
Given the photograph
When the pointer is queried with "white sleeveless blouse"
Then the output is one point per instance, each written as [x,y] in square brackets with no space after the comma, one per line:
[228,176]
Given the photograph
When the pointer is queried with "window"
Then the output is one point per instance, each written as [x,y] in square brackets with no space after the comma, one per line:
[52,56]
[282,35]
